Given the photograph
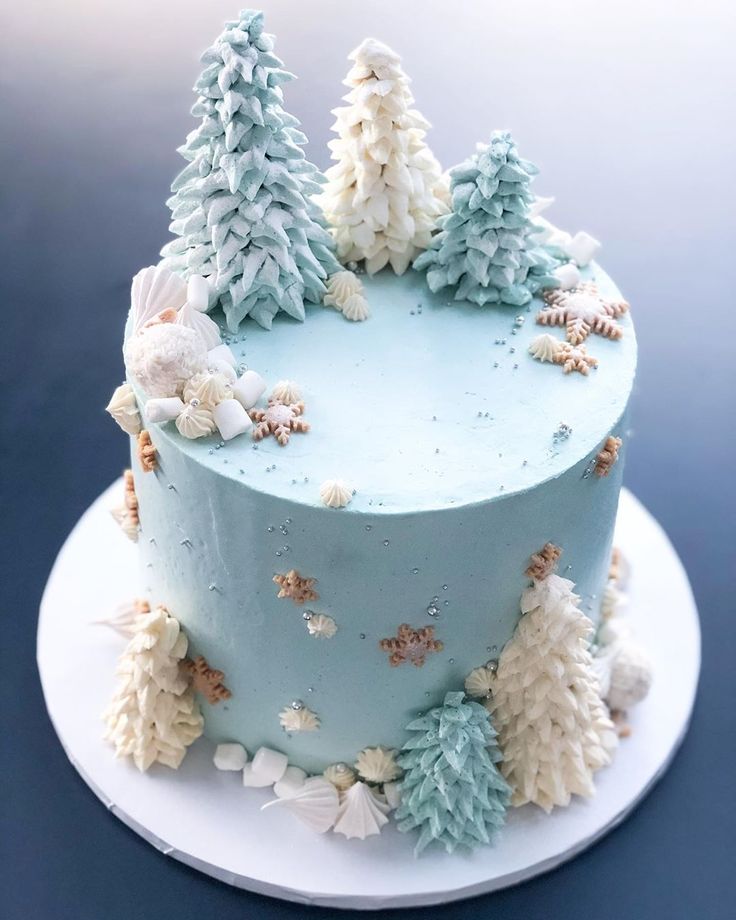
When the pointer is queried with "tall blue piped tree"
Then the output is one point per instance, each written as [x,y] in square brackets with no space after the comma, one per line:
[485,247]
[241,209]
[452,791]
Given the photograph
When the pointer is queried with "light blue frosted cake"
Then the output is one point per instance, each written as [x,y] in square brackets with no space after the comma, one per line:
[358,407]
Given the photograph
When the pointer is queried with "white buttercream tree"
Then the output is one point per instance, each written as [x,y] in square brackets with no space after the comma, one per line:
[553,728]
[153,715]
[386,190]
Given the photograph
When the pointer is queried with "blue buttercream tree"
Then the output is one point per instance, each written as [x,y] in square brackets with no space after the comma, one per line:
[241,209]
[452,791]
[485,247]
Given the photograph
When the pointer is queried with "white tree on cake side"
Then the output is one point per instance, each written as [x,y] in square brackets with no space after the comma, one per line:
[386,190]
[153,715]
[553,728]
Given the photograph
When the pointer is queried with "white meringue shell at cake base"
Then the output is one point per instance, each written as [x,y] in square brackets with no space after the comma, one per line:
[249,388]
[195,422]
[154,289]
[163,409]
[321,626]
[341,776]
[198,293]
[206,328]
[315,803]
[231,419]
[544,347]
[287,392]
[377,765]
[292,780]
[335,493]
[124,409]
[356,308]
[362,812]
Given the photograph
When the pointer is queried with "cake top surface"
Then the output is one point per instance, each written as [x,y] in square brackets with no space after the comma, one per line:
[429,404]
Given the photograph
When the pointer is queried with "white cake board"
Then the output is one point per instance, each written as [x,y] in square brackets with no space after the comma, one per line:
[206,819]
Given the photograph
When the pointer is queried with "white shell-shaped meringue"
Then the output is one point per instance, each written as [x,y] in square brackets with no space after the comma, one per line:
[195,421]
[287,392]
[315,803]
[321,626]
[335,493]
[340,287]
[298,720]
[161,358]
[340,775]
[154,289]
[122,518]
[545,347]
[124,409]
[479,682]
[356,308]
[362,812]
[630,676]
[206,328]
[210,389]
[377,765]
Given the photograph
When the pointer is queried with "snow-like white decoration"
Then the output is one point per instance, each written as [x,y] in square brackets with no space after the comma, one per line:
[248,389]
[270,764]
[340,775]
[161,358]
[553,728]
[479,682]
[124,409]
[205,327]
[624,669]
[545,347]
[315,803]
[231,419]
[568,275]
[210,389]
[356,308]
[154,290]
[292,780]
[195,421]
[153,715]
[230,756]
[164,409]
[539,204]
[321,626]
[377,765]
[362,812]
[298,719]
[340,288]
[287,392]
[582,248]
[125,617]
[386,190]
[335,493]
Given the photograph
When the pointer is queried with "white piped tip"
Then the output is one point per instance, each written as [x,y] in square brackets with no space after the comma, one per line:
[335,493]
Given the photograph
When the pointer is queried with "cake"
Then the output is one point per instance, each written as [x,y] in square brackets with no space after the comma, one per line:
[378,422]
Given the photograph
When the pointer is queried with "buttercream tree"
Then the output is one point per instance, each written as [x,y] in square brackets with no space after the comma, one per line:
[452,791]
[242,209]
[153,716]
[386,190]
[485,247]
[554,730]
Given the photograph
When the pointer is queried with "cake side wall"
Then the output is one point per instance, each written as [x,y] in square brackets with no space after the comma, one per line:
[210,548]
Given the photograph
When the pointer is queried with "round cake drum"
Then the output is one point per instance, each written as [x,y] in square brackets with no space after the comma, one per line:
[206,819]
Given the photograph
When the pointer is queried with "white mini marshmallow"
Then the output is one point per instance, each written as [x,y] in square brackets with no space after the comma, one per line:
[249,388]
[270,764]
[164,409]
[292,780]
[222,353]
[253,779]
[230,756]
[231,419]
[198,293]
[224,368]
[582,248]
[568,275]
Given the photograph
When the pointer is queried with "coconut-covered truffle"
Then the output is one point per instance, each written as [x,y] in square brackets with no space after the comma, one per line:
[162,357]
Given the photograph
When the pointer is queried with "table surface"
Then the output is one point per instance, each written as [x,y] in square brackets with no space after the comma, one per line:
[626,110]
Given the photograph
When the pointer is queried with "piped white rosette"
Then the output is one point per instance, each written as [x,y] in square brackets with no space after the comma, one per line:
[176,355]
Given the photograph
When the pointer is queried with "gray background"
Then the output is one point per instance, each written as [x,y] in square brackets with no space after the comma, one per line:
[628,110]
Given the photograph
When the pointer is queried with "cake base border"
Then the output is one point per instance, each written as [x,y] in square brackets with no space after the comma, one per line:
[205,819]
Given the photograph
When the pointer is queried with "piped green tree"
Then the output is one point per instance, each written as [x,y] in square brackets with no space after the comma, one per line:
[452,792]
[241,209]
[485,246]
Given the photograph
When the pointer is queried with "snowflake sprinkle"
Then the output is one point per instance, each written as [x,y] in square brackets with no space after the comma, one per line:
[411,645]
[206,680]
[146,452]
[582,310]
[607,456]
[296,587]
[575,358]
[279,419]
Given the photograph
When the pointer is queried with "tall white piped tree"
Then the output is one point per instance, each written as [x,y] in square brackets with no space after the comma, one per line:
[386,190]
[153,715]
[553,728]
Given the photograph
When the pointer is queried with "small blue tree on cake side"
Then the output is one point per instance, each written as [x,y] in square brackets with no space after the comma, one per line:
[452,791]
[241,209]
[485,246]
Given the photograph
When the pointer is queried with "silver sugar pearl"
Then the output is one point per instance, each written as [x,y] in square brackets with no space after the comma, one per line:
[297,705]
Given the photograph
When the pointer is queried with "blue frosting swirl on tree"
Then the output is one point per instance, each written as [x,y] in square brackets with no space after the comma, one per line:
[452,791]
[485,245]
[241,208]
